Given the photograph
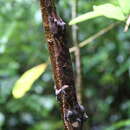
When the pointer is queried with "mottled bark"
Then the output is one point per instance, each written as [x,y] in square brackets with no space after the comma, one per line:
[73,114]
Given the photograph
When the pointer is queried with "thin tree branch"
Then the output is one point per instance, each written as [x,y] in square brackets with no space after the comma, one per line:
[78,81]
[95,36]
[127,24]
[73,114]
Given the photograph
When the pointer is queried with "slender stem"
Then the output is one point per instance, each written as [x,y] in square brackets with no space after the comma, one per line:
[95,36]
[78,81]
[127,24]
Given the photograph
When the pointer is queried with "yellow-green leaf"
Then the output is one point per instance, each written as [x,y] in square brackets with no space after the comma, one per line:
[107,10]
[84,17]
[125,6]
[24,83]
[110,11]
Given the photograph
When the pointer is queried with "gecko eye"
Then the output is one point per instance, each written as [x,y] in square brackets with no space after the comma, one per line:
[70,113]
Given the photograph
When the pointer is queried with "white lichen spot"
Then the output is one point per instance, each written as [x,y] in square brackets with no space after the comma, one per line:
[75,124]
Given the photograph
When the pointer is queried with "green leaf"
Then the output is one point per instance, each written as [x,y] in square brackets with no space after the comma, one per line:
[84,17]
[24,83]
[107,10]
[110,11]
[125,6]
[6,36]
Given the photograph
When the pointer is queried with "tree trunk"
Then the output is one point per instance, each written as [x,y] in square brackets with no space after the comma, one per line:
[73,114]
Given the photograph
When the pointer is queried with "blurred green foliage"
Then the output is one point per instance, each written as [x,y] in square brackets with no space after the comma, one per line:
[105,69]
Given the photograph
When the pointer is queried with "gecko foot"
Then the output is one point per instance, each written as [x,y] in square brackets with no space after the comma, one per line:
[58,92]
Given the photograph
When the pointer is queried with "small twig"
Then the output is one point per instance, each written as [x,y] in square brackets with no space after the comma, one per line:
[78,79]
[127,24]
[95,36]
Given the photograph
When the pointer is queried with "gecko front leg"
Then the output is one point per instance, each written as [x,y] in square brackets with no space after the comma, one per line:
[61,91]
